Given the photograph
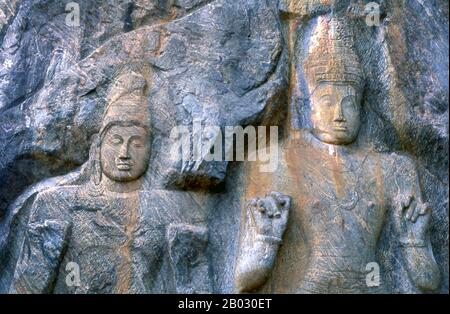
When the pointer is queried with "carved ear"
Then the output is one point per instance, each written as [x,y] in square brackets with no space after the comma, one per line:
[94,157]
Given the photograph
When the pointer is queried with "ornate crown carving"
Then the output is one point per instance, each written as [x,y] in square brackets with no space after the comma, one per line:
[332,58]
[127,101]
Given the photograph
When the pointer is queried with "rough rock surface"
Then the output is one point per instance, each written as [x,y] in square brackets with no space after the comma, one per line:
[217,62]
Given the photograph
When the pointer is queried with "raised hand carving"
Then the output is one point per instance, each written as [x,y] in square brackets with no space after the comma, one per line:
[412,220]
[343,189]
[269,215]
[266,220]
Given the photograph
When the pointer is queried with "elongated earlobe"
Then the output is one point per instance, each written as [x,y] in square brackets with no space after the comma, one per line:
[94,156]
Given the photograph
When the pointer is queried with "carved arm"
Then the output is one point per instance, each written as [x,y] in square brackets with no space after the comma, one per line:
[266,220]
[412,221]
[41,252]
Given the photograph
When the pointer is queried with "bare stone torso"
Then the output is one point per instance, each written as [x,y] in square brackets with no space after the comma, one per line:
[339,205]
[117,251]
[342,216]
[118,240]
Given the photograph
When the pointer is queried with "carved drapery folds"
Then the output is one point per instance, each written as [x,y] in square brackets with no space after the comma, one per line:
[105,225]
[343,192]
[354,205]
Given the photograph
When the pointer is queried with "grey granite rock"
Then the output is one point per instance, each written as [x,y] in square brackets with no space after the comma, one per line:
[218,63]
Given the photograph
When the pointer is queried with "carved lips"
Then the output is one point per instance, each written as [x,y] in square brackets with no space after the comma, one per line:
[340,128]
[124,165]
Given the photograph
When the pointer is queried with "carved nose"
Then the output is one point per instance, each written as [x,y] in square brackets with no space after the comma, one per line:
[123,152]
[339,115]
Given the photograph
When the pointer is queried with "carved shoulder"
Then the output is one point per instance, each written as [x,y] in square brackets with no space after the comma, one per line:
[403,162]
[46,237]
[53,204]
[401,172]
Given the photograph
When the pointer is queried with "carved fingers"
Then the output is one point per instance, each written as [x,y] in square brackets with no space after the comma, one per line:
[421,209]
[412,219]
[269,215]
[283,203]
[411,209]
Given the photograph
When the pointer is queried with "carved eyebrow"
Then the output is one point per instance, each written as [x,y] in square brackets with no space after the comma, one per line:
[116,136]
[350,91]
[136,137]
[325,96]
[351,97]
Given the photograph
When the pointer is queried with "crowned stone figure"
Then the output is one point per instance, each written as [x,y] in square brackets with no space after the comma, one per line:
[110,234]
[342,191]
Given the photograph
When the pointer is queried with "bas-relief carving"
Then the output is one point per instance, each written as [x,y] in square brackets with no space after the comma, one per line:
[316,237]
[342,192]
[125,239]
[265,223]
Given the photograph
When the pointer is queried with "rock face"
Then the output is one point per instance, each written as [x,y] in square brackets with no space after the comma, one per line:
[95,97]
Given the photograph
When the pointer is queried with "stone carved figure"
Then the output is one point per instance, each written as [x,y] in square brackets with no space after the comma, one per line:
[342,191]
[335,83]
[111,228]
[265,223]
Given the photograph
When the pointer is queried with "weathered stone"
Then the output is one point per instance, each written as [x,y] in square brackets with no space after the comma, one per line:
[88,178]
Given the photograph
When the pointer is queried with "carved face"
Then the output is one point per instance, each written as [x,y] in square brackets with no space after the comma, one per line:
[125,153]
[335,113]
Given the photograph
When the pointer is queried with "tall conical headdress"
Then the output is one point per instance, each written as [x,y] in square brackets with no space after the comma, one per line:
[127,101]
[331,57]
[126,104]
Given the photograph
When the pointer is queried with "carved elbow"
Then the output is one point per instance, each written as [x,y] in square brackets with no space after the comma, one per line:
[251,278]
[427,278]
[423,269]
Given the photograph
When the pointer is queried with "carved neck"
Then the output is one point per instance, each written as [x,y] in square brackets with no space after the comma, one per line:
[332,149]
[122,187]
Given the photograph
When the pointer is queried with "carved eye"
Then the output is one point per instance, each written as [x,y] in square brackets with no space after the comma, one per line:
[326,101]
[349,102]
[137,142]
[116,140]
